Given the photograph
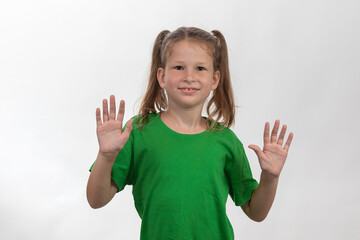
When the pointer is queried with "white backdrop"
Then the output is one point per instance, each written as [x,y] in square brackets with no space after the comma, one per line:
[297,61]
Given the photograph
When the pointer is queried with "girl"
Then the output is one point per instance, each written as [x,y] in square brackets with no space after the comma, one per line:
[183,166]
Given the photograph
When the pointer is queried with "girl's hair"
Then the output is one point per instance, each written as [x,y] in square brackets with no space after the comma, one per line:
[220,107]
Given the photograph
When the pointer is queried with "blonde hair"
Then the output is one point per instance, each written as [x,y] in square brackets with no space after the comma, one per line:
[220,108]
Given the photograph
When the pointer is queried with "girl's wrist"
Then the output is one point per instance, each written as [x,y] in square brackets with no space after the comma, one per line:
[107,156]
[267,177]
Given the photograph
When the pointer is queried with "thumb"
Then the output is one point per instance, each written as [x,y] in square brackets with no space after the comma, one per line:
[128,128]
[126,133]
[256,149]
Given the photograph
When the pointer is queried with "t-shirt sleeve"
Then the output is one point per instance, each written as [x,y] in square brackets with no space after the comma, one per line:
[242,184]
[121,172]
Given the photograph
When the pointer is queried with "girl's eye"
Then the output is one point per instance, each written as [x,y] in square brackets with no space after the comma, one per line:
[201,68]
[179,68]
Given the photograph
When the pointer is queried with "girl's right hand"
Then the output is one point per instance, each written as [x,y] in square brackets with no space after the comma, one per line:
[109,131]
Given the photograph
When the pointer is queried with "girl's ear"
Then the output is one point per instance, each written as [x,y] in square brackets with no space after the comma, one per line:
[160,77]
[216,79]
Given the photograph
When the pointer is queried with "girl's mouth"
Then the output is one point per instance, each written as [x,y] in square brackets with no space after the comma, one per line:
[189,90]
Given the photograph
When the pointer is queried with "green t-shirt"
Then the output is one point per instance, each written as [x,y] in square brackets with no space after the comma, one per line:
[181,181]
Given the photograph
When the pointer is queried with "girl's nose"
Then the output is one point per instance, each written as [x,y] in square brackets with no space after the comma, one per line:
[189,75]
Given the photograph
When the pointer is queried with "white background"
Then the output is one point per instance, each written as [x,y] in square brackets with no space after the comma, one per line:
[297,61]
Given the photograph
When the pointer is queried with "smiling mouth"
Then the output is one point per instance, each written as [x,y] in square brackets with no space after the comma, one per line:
[189,90]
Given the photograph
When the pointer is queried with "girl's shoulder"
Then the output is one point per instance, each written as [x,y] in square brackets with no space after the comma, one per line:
[225,133]
[139,121]
[220,129]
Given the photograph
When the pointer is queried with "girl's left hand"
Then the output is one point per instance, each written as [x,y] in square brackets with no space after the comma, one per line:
[272,157]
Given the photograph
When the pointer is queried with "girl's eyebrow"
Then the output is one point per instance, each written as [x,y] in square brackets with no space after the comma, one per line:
[183,62]
[178,62]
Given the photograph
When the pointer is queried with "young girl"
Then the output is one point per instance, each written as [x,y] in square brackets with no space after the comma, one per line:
[183,166]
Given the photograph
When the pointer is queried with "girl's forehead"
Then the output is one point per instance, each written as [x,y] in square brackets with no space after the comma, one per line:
[189,45]
[191,42]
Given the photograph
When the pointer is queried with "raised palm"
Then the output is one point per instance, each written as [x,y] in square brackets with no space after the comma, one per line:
[272,157]
[109,131]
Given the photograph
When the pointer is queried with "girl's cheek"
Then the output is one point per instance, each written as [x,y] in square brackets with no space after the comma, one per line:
[175,73]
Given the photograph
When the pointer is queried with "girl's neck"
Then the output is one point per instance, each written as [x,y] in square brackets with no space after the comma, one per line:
[185,122]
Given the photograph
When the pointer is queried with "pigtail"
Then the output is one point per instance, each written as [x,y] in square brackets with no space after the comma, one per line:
[155,97]
[222,97]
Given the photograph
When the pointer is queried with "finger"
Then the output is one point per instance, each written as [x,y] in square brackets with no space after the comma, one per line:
[266,133]
[98,117]
[112,107]
[288,141]
[275,131]
[282,135]
[120,116]
[105,111]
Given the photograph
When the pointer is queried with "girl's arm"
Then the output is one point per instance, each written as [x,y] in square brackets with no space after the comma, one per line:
[272,159]
[100,188]
[262,198]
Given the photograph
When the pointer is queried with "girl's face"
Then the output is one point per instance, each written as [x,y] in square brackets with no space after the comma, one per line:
[189,75]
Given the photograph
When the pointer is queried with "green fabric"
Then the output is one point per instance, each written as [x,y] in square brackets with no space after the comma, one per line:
[181,181]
